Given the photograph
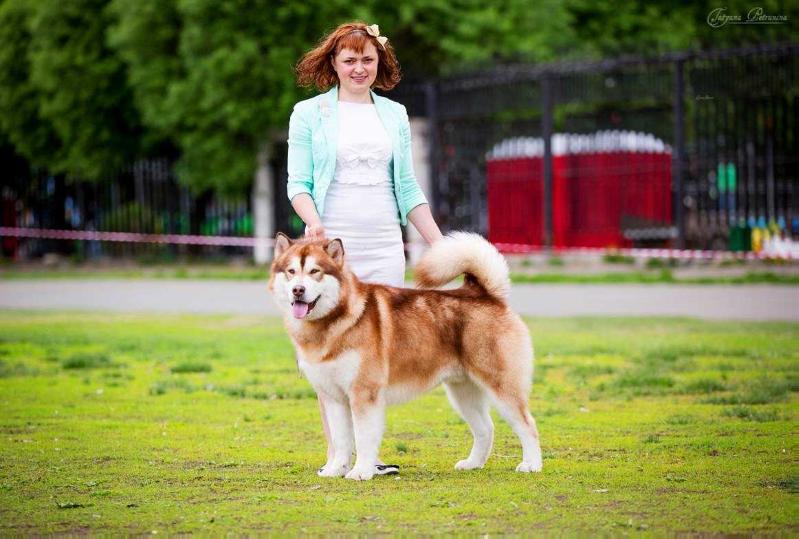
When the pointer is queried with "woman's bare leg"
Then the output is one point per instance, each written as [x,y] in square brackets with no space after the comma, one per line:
[325,427]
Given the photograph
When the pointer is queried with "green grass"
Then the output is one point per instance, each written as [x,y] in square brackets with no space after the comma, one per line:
[662,276]
[191,366]
[86,360]
[616,258]
[657,274]
[120,424]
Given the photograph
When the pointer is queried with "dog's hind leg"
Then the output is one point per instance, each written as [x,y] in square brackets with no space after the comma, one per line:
[470,401]
[504,369]
[512,406]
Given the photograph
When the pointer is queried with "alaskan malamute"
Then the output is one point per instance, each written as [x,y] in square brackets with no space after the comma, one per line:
[364,346]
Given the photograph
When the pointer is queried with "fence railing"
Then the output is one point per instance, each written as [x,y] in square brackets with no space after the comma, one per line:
[728,118]
[724,176]
[143,200]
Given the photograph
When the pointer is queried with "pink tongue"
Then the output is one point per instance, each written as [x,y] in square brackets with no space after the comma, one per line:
[299,309]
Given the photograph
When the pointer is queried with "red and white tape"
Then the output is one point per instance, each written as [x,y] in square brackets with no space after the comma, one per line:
[682,254]
[250,241]
[133,237]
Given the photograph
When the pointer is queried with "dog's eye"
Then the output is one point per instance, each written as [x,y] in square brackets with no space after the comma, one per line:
[314,271]
[290,271]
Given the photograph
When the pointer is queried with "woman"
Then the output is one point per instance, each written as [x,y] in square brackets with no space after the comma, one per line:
[350,168]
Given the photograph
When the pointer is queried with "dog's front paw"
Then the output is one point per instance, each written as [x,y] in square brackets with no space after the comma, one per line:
[527,467]
[361,473]
[333,469]
[467,464]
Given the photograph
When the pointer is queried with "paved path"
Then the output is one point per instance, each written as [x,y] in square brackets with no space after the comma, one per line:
[742,302]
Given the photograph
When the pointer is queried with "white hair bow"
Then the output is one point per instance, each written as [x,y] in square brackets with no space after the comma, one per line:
[374,31]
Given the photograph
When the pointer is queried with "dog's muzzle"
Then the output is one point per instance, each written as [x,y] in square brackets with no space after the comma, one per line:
[299,307]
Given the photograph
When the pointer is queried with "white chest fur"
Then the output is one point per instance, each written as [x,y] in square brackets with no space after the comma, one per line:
[335,377]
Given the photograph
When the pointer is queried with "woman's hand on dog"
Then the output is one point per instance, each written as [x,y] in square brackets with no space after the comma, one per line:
[315,232]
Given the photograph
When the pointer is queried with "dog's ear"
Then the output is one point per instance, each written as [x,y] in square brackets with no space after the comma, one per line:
[282,242]
[335,249]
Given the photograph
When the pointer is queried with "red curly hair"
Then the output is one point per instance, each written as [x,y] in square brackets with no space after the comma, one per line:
[316,69]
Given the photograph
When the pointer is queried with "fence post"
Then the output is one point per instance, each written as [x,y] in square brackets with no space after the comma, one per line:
[263,205]
[431,110]
[678,152]
[546,134]
[421,130]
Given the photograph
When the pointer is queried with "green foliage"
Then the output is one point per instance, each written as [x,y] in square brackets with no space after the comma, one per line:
[441,36]
[65,91]
[608,28]
[21,121]
[145,35]
[88,85]
[216,77]
[611,28]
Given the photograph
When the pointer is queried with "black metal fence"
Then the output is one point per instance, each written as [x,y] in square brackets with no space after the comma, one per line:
[143,198]
[728,119]
[691,149]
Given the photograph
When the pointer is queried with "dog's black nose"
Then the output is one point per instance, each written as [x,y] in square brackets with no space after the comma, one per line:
[298,291]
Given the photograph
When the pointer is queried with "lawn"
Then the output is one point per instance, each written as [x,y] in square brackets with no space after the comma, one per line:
[145,424]
[623,275]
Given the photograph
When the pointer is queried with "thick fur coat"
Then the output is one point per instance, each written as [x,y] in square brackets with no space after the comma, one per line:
[364,346]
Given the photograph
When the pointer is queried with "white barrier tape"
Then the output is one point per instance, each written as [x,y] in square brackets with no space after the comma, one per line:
[249,241]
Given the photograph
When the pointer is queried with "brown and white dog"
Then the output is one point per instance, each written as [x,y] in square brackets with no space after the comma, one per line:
[364,346]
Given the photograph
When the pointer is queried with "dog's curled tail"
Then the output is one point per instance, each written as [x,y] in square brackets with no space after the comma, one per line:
[461,253]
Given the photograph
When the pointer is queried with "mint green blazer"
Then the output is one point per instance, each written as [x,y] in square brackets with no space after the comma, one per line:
[313,136]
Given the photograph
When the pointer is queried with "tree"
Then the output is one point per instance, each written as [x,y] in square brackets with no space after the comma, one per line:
[145,34]
[435,37]
[65,97]
[608,28]
[87,85]
[31,135]
[216,77]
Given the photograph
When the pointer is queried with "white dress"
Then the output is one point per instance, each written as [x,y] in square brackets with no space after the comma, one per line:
[360,206]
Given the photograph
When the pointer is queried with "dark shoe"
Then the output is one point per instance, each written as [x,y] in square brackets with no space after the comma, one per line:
[380,469]
[386,469]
